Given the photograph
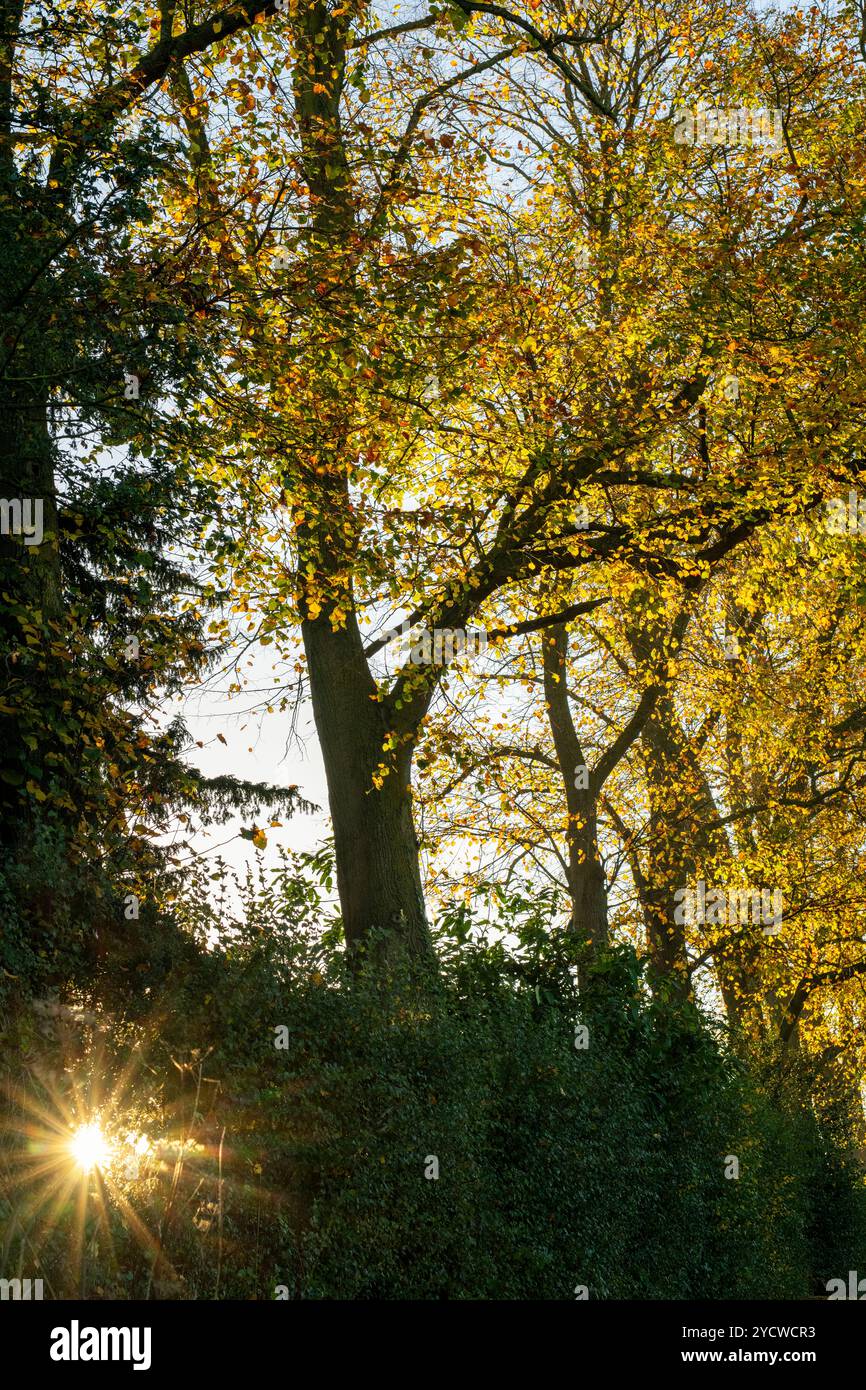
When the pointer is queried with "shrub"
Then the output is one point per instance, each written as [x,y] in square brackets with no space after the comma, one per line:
[311,1166]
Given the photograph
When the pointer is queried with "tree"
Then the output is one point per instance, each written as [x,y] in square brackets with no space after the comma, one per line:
[102,616]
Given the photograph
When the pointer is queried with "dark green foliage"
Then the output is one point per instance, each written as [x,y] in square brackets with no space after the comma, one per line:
[559,1166]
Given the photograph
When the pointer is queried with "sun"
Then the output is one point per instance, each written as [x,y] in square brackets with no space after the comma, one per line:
[89,1147]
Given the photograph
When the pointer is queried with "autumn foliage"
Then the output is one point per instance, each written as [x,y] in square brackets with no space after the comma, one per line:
[337,333]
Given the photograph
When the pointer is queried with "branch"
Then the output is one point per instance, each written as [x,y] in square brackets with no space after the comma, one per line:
[807,987]
[537,624]
[87,124]
[362,41]
[548,46]
[403,149]
[617,750]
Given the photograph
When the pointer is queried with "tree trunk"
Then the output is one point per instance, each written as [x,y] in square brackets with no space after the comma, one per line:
[585,874]
[686,841]
[678,842]
[378,872]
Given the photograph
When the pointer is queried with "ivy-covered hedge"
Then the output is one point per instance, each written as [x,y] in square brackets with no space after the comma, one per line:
[580,1143]
[560,1168]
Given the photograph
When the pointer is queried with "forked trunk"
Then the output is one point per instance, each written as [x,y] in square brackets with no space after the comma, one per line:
[378,872]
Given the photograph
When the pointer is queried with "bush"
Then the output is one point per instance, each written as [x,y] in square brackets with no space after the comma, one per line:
[559,1166]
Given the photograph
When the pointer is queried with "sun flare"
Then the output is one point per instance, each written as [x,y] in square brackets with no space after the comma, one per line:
[89,1148]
